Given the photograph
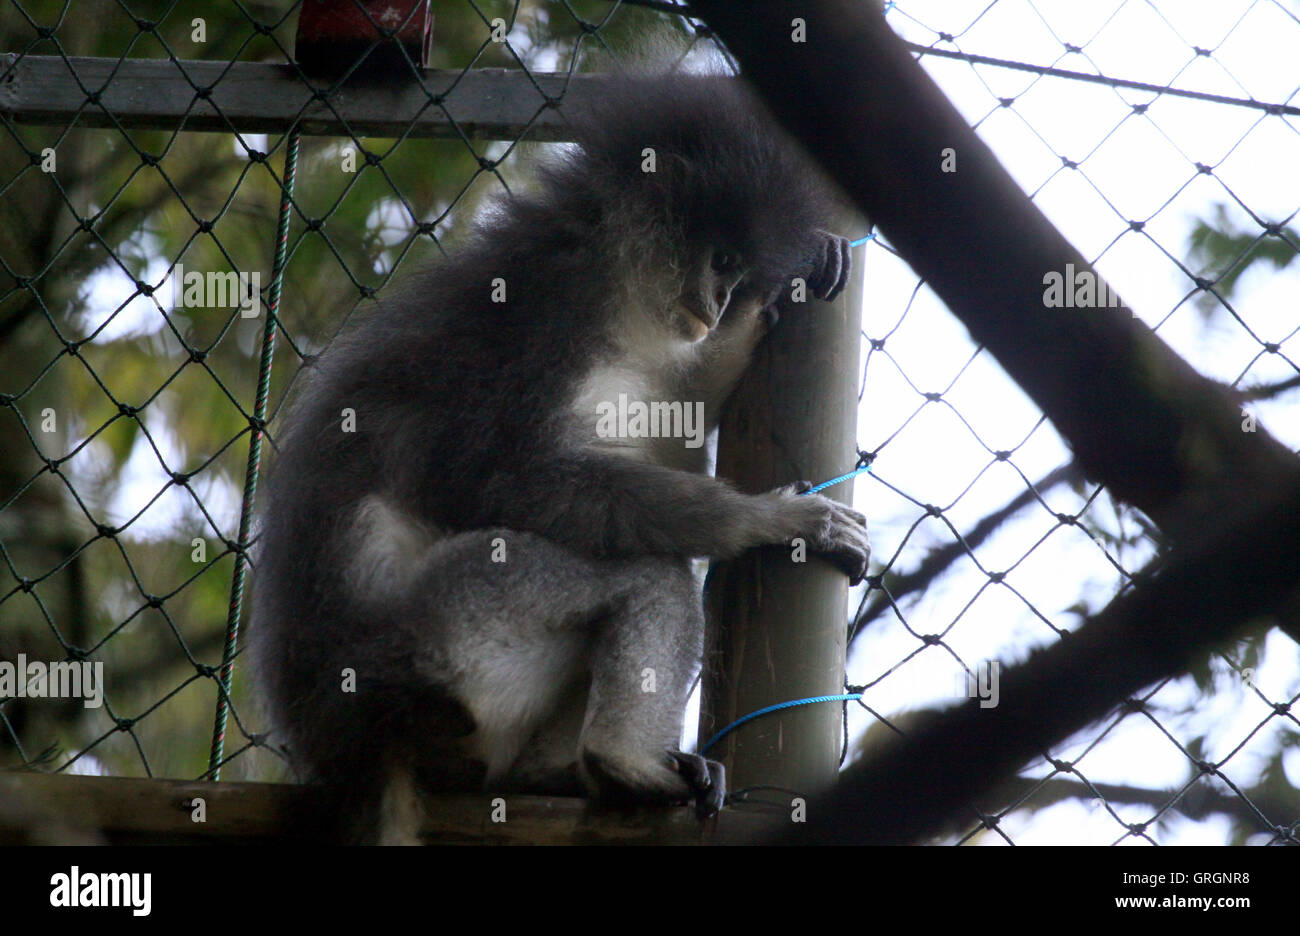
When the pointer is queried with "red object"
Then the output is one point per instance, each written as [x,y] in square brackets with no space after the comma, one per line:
[335,34]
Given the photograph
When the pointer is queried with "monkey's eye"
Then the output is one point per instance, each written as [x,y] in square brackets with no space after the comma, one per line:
[724,261]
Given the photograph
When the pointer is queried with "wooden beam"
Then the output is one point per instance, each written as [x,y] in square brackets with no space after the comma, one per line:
[776,627]
[65,809]
[260,97]
[122,809]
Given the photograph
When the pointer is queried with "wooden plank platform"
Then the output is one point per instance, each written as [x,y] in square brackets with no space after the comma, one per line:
[61,809]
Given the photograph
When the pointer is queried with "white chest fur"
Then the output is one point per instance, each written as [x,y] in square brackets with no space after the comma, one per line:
[602,389]
[624,410]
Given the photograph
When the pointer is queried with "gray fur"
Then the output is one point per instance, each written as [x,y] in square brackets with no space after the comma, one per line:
[475,432]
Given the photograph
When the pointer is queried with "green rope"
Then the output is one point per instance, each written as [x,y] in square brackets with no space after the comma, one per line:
[257,424]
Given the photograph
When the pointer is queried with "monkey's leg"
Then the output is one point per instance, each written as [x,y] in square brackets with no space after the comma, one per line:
[512,617]
[513,626]
[462,646]
[643,666]
[644,659]
[548,763]
[556,641]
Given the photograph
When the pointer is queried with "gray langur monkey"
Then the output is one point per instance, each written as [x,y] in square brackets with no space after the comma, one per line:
[473,586]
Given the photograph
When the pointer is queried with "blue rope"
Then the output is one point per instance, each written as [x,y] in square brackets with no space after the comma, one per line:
[834,481]
[846,697]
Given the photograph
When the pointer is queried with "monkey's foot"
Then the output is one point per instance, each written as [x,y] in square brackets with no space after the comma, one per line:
[707,778]
[676,778]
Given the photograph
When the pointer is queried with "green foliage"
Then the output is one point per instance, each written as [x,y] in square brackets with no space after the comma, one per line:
[1223,252]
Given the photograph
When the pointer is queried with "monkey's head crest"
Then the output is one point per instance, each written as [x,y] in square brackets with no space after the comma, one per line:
[695,166]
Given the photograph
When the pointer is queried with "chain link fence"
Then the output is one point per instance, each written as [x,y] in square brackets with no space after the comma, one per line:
[1159,141]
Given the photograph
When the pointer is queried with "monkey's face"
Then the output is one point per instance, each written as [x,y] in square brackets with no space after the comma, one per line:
[712,276]
[715,288]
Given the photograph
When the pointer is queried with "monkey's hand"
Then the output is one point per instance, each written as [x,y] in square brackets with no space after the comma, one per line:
[829,273]
[826,273]
[829,528]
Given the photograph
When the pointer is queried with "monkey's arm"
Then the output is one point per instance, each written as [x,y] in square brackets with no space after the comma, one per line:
[611,505]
